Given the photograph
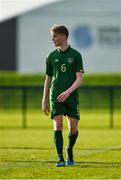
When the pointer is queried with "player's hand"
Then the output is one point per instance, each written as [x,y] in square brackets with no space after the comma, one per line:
[45,108]
[63,96]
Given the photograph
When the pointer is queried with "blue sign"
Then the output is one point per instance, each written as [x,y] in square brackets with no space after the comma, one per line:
[82,36]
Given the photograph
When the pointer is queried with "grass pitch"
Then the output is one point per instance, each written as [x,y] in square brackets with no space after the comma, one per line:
[36,119]
[30,153]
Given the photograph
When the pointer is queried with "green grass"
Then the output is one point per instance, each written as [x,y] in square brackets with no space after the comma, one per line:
[30,153]
[35,119]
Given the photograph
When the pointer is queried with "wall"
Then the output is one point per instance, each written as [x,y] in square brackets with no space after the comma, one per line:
[95,30]
[8,45]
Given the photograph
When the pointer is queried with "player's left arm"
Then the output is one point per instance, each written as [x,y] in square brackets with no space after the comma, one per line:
[63,96]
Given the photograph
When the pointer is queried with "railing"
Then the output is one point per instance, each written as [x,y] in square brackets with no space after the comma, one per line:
[99,99]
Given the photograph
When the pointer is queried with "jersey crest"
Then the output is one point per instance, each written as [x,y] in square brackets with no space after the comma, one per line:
[70,60]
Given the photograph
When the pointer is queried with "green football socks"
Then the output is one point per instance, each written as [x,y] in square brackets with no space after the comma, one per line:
[71,141]
[58,140]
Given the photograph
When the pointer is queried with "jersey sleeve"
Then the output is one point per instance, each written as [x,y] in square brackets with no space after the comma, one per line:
[48,66]
[79,63]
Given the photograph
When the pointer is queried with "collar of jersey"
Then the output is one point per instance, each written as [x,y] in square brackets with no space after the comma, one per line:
[65,50]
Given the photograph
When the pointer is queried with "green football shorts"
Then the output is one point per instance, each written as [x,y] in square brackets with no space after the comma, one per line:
[66,108]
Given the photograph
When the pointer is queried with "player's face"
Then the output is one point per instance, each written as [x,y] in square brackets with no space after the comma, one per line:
[57,39]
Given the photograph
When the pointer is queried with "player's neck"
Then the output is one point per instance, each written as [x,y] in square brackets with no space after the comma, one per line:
[64,47]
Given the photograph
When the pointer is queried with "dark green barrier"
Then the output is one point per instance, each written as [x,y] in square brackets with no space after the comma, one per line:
[26,99]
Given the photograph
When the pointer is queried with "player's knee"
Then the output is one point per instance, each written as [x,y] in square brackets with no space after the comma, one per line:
[73,131]
[58,127]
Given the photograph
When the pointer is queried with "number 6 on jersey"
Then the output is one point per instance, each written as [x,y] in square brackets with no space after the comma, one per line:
[63,67]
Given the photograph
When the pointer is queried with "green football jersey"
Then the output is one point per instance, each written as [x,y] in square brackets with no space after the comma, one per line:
[62,67]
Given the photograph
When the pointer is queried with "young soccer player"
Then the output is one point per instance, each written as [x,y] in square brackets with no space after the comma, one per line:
[64,71]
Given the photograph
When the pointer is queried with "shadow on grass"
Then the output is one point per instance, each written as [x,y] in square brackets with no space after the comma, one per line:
[45,127]
[98,164]
[79,149]
[47,162]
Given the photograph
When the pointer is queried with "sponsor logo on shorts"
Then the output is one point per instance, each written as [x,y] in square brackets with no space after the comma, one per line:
[53,111]
[78,109]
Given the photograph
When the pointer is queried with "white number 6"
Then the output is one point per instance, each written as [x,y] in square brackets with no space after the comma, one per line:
[63,67]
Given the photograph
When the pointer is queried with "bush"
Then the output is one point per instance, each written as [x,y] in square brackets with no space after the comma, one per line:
[16,79]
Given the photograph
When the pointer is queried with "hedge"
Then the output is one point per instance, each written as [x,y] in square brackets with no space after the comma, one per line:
[17,79]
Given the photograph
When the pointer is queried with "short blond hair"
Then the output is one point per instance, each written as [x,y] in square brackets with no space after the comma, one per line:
[60,30]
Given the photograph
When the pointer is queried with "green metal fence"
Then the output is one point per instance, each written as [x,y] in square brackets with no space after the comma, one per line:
[97,103]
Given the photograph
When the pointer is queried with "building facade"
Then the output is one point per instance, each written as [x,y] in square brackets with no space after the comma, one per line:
[95,31]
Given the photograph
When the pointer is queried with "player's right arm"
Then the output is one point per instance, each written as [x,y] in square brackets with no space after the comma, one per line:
[47,83]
